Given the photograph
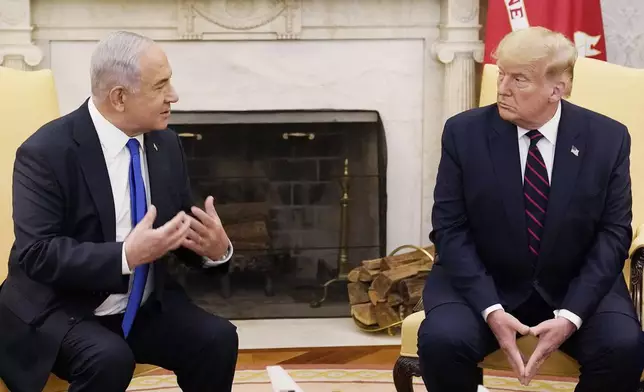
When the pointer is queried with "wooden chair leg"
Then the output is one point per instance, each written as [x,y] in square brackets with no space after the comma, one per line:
[404,371]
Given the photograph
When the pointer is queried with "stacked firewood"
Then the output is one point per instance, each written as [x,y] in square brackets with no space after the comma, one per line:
[384,291]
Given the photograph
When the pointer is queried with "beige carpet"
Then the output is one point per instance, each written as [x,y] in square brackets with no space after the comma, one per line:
[330,379]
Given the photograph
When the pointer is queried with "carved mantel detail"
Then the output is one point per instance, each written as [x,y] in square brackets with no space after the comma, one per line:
[459,48]
[200,19]
[16,47]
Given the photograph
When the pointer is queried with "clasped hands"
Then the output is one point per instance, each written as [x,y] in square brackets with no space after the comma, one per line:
[203,234]
[551,334]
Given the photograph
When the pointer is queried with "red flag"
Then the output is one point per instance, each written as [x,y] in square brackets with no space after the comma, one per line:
[580,20]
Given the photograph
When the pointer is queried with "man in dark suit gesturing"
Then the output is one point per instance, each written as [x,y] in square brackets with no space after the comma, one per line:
[100,198]
[532,225]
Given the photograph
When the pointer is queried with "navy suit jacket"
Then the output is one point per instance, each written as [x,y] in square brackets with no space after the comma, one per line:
[65,262]
[479,224]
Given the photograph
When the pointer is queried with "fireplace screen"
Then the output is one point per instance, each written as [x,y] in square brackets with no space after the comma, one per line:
[302,196]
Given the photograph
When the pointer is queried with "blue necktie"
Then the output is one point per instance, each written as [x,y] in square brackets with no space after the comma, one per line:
[138,209]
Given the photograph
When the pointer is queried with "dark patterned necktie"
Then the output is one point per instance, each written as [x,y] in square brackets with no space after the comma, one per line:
[536,189]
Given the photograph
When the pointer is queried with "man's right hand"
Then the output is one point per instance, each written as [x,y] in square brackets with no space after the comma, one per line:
[145,244]
[505,327]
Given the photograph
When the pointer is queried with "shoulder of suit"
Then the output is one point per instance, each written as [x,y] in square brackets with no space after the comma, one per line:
[54,136]
[595,119]
[470,120]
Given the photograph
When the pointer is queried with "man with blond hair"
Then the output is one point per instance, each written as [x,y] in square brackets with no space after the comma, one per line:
[532,224]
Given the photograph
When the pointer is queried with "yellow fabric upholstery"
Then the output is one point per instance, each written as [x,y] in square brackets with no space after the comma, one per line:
[606,88]
[28,101]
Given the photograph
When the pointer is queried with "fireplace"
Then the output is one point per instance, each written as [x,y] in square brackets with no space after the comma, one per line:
[277,179]
[411,62]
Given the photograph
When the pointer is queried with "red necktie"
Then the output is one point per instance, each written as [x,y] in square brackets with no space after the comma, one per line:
[536,189]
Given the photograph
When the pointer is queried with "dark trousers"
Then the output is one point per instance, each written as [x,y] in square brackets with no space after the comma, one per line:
[201,349]
[454,338]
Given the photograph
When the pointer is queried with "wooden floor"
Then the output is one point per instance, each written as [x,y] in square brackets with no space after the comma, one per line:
[373,355]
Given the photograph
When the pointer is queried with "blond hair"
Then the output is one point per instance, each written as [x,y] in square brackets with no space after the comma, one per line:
[538,44]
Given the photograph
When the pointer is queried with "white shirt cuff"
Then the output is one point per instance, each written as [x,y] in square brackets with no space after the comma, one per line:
[125,268]
[489,310]
[207,263]
[568,315]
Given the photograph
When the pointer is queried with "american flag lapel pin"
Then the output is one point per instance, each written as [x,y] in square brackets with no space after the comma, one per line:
[573,150]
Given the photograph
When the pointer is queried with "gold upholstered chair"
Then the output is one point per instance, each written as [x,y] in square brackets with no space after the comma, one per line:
[28,101]
[617,92]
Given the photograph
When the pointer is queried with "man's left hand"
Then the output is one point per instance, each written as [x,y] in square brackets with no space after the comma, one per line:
[551,333]
[207,236]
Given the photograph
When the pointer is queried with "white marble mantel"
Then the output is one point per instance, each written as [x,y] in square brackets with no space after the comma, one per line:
[411,60]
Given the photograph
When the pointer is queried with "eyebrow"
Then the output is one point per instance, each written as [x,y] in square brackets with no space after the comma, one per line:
[162,81]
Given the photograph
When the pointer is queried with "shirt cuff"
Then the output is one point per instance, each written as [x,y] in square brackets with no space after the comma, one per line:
[125,268]
[207,262]
[568,315]
[489,310]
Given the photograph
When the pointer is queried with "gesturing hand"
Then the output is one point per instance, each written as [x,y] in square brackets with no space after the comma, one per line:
[505,327]
[145,244]
[551,333]
[207,236]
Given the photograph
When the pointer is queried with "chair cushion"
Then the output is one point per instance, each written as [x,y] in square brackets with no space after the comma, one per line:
[559,364]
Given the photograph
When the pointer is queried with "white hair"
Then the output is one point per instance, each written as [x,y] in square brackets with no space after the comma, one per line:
[115,62]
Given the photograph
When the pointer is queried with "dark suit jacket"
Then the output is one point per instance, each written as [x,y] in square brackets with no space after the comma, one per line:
[479,226]
[65,262]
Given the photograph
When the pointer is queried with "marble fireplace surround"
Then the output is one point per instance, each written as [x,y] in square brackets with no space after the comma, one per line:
[413,61]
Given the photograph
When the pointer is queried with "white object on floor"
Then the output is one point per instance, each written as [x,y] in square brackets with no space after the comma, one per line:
[309,332]
[482,389]
[281,381]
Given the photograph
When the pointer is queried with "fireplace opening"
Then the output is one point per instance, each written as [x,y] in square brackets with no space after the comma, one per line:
[282,182]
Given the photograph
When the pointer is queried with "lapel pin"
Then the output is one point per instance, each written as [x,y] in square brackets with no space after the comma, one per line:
[575,151]
[157,149]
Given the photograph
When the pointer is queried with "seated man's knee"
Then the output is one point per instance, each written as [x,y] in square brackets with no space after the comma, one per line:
[113,365]
[622,345]
[614,344]
[225,342]
[443,338]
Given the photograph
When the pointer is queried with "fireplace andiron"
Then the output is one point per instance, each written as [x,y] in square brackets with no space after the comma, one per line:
[343,257]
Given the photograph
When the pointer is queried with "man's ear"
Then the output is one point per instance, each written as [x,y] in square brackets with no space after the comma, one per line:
[558,91]
[117,97]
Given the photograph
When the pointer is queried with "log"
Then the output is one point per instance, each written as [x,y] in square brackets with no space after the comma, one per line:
[411,289]
[371,264]
[365,313]
[361,274]
[373,296]
[242,212]
[385,314]
[354,275]
[358,293]
[384,282]
[391,262]
[247,230]
[394,300]
[241,245]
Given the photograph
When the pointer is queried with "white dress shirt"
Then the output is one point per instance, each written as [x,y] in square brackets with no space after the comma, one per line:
[117,158]
[546,147]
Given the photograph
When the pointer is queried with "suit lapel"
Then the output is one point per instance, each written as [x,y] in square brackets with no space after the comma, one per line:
[92,163]
[158,175]
[504,151]
[564,172]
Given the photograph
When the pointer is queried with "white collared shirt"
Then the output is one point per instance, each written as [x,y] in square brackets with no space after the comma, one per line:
[546,147]
[117,159]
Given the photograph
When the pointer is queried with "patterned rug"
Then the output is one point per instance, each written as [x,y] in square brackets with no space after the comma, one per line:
[331,378]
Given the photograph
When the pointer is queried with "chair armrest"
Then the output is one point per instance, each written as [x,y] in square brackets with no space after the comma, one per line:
[636,256]
[409,334]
